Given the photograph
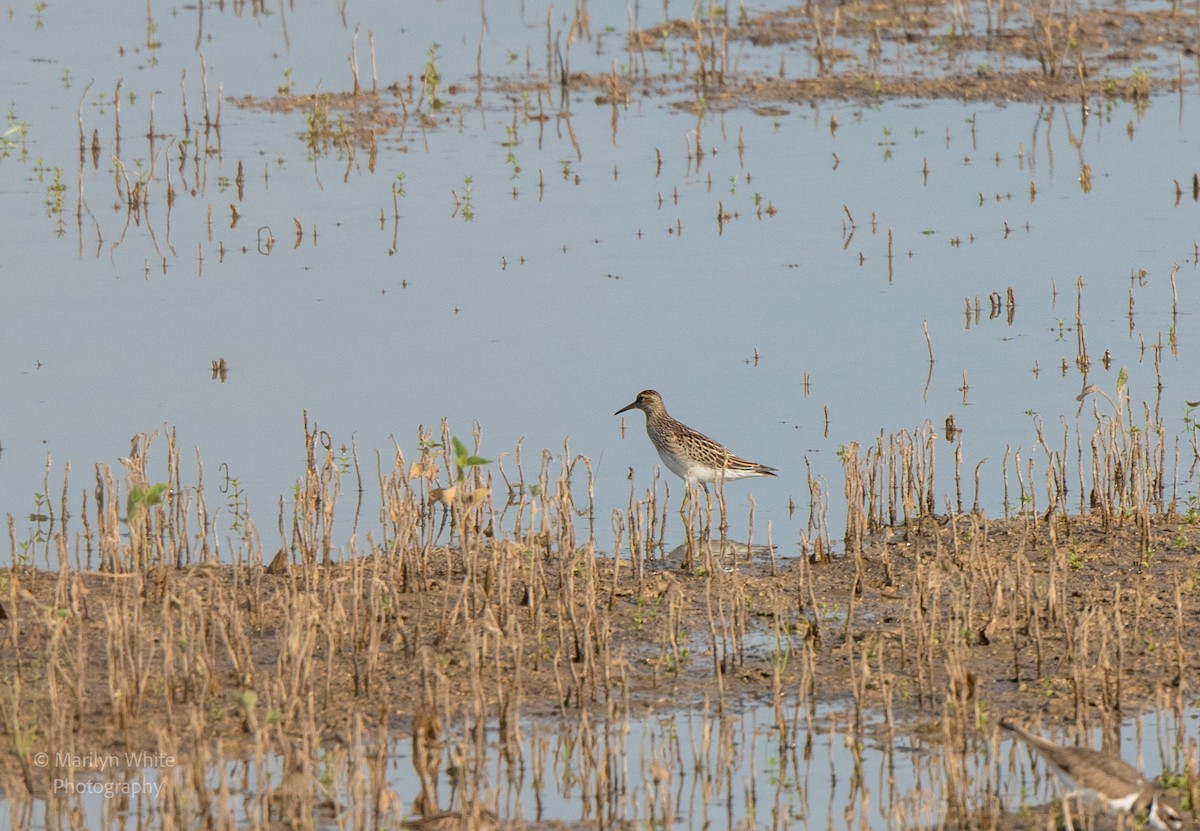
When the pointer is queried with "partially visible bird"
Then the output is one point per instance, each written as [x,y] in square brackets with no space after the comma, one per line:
[454,821]
[1098,777]
[687,453]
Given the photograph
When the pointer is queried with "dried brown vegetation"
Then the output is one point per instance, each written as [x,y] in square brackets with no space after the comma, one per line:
[994,50]
[482,605]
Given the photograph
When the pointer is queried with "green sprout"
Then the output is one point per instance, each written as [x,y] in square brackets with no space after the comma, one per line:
[463,459]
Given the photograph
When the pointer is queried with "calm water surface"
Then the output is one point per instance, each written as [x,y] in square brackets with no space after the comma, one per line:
[700,769]
[549,260]
[545,266]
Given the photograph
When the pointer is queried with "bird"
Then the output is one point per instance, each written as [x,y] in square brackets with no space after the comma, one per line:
[483,820]
[689,454]
[1098,777]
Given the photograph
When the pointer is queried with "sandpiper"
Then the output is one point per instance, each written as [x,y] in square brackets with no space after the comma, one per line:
[483,820]
[689,454]
[1097,777]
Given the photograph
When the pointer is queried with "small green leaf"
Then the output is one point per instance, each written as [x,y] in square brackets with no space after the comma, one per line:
[155,494]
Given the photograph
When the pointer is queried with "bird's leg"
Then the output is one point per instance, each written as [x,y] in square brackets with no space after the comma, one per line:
[1066,798]
[688,509]
[714,547]
[724,528]
[708,513]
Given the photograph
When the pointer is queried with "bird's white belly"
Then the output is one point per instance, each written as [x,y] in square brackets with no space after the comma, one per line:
[673,463]
[1123,804]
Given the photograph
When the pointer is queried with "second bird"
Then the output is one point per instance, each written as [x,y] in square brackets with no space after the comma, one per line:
[1115,784]
[689,454]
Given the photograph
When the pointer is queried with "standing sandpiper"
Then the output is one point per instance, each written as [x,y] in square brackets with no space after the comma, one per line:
[1118,786]
[688,454]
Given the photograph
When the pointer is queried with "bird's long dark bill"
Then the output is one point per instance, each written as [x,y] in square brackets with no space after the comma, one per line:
[626,407]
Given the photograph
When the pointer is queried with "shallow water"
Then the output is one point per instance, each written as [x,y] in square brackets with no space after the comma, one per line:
[748,768]
[585,272]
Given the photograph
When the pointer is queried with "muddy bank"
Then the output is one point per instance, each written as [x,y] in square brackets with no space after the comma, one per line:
[1065,620]
[869,52]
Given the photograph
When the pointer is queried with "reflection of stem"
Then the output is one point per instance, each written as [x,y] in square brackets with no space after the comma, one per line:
[79,199]
[124,175]
[354,62]
[928,346]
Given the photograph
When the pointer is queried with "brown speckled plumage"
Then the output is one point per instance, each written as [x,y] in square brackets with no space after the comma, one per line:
[1109,780]
[687,453]
[453,821]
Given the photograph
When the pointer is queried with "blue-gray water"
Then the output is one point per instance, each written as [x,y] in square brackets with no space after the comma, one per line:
[585,273]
